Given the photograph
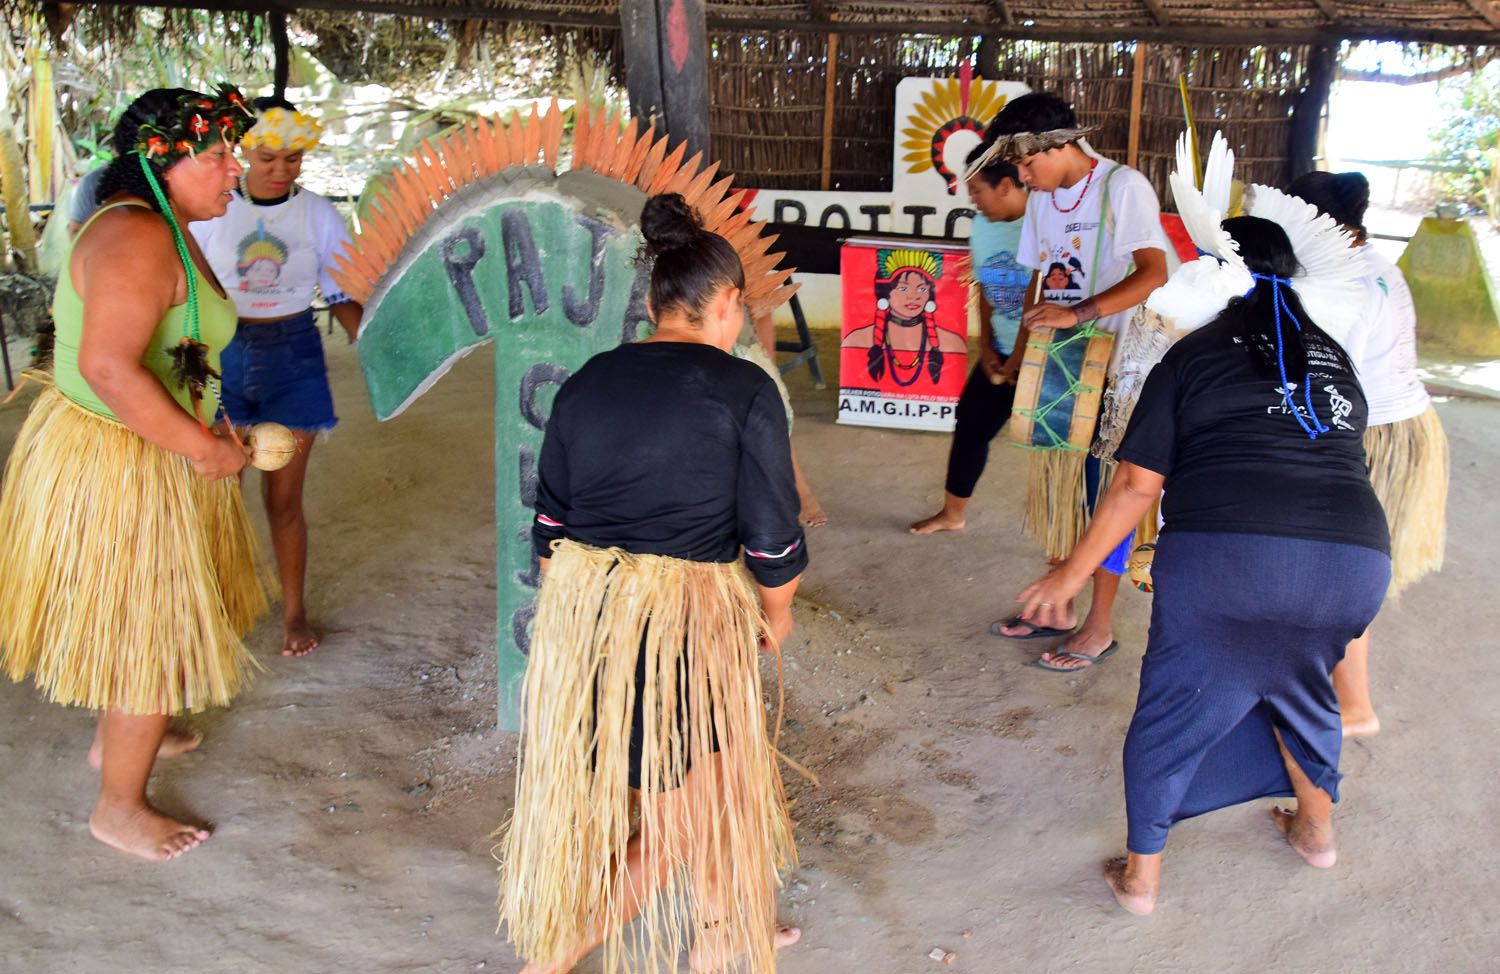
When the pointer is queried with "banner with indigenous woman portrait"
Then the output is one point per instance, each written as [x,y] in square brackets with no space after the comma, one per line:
[904,349]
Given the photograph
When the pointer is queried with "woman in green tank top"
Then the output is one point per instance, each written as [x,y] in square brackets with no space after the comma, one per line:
[127,568]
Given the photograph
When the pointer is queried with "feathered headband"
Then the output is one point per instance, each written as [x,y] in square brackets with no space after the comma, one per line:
[890,263]
[277,128]
[198,123]
[1327,283]
[1007,148]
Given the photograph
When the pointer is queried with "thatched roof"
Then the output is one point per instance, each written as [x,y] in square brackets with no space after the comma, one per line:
[1190,21]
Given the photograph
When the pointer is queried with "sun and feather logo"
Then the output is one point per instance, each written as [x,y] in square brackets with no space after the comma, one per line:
[962,104]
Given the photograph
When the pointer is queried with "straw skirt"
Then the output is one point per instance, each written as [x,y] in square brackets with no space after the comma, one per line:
[711,803]
[126,580]
[1408,464]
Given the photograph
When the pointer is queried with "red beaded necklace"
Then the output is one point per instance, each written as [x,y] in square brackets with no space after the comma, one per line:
[1078,202]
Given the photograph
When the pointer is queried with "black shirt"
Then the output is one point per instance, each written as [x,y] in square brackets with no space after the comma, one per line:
[668,448]
[1236,459]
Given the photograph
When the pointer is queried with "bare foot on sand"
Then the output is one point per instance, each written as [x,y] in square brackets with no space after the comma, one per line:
[1312,842]
[941,521]
[1362,727]
[719,955]
[300,639]
[1133,894]
[177,740]
[143,831]
[813,515]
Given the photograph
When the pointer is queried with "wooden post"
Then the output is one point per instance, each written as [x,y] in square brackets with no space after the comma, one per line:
[830,92]
[281,46]
[666,67]
[1137,87]
[1307,115]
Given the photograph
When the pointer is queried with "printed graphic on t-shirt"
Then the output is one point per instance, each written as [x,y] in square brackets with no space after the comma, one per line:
[1004,281]
[1289,399]
[1064,276]
[260,257]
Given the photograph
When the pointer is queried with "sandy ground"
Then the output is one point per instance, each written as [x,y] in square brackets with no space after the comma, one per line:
[967,800]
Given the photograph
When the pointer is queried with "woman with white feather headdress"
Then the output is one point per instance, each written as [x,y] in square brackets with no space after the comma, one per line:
[1274,551]
[1405,445]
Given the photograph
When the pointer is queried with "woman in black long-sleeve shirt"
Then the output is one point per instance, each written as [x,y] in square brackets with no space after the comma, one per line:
[662,461]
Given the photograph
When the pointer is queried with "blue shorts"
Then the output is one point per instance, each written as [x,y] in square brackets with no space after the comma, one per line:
[274,373]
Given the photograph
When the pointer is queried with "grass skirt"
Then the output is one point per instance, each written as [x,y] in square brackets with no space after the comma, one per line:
[126,580]
[560,852]
[1408,464]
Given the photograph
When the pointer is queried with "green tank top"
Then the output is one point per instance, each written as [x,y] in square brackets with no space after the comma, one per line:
[216,324]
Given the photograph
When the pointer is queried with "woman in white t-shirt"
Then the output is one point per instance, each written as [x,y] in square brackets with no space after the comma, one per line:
[1405,445]
[272,249]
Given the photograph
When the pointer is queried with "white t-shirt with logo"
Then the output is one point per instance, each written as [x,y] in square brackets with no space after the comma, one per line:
[1383,345]
[1062,245]
[271,259]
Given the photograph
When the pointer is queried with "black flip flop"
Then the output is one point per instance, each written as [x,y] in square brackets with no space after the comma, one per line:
[1037,632]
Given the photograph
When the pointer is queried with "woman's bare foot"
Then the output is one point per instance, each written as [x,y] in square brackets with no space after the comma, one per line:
[941,521]
[813,515]
[719,954]
[1132,892]
[143,831]
[1313,842]
[1084,642]
[1362,726]
[177,740]
[300,639]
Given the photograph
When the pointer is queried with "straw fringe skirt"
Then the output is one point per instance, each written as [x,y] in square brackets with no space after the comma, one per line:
[126,581]
[1056,510]
[723,838]
[1408,464]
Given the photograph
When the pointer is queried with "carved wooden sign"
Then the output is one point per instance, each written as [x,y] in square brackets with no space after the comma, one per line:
[480,241]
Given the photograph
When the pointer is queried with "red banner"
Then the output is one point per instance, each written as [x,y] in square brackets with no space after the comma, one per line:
[904,358]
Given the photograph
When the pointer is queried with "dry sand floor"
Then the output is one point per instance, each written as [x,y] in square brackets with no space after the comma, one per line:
[967,800]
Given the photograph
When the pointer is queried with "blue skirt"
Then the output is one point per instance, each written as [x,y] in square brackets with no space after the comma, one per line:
[1245,632]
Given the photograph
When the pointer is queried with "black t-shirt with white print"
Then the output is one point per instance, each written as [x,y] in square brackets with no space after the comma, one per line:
[1236,459]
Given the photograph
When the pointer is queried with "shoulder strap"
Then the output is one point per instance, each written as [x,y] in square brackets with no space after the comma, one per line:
[109,206]
[1106,219]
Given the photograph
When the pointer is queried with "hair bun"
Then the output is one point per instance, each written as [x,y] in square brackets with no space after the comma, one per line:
[668,223]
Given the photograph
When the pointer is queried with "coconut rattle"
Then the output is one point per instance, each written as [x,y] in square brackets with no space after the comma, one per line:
[272,446]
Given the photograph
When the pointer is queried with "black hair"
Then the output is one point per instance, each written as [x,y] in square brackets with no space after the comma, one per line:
[997,170]
[1039,111]
[1267,252]
[875,356]
[691,264]
[1342,195]
[267,102]
[156,106]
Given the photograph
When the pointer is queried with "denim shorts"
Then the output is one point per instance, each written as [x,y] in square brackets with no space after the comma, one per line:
[274,373]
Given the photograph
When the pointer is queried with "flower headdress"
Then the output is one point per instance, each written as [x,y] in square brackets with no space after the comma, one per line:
[1007,148]
[277,128]
[198,123]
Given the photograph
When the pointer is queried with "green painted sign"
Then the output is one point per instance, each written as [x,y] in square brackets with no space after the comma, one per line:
[543,268]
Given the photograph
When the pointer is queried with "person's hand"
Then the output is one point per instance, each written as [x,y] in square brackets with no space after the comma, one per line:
[1011,367]
[780,629]
[990,362]
[1044,601]
[221,457]
[1049,316]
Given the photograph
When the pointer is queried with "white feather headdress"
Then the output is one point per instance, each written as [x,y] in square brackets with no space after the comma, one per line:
[1327,282]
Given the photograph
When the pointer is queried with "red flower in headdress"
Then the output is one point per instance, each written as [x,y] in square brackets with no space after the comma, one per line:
[199,125]
[156,146]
